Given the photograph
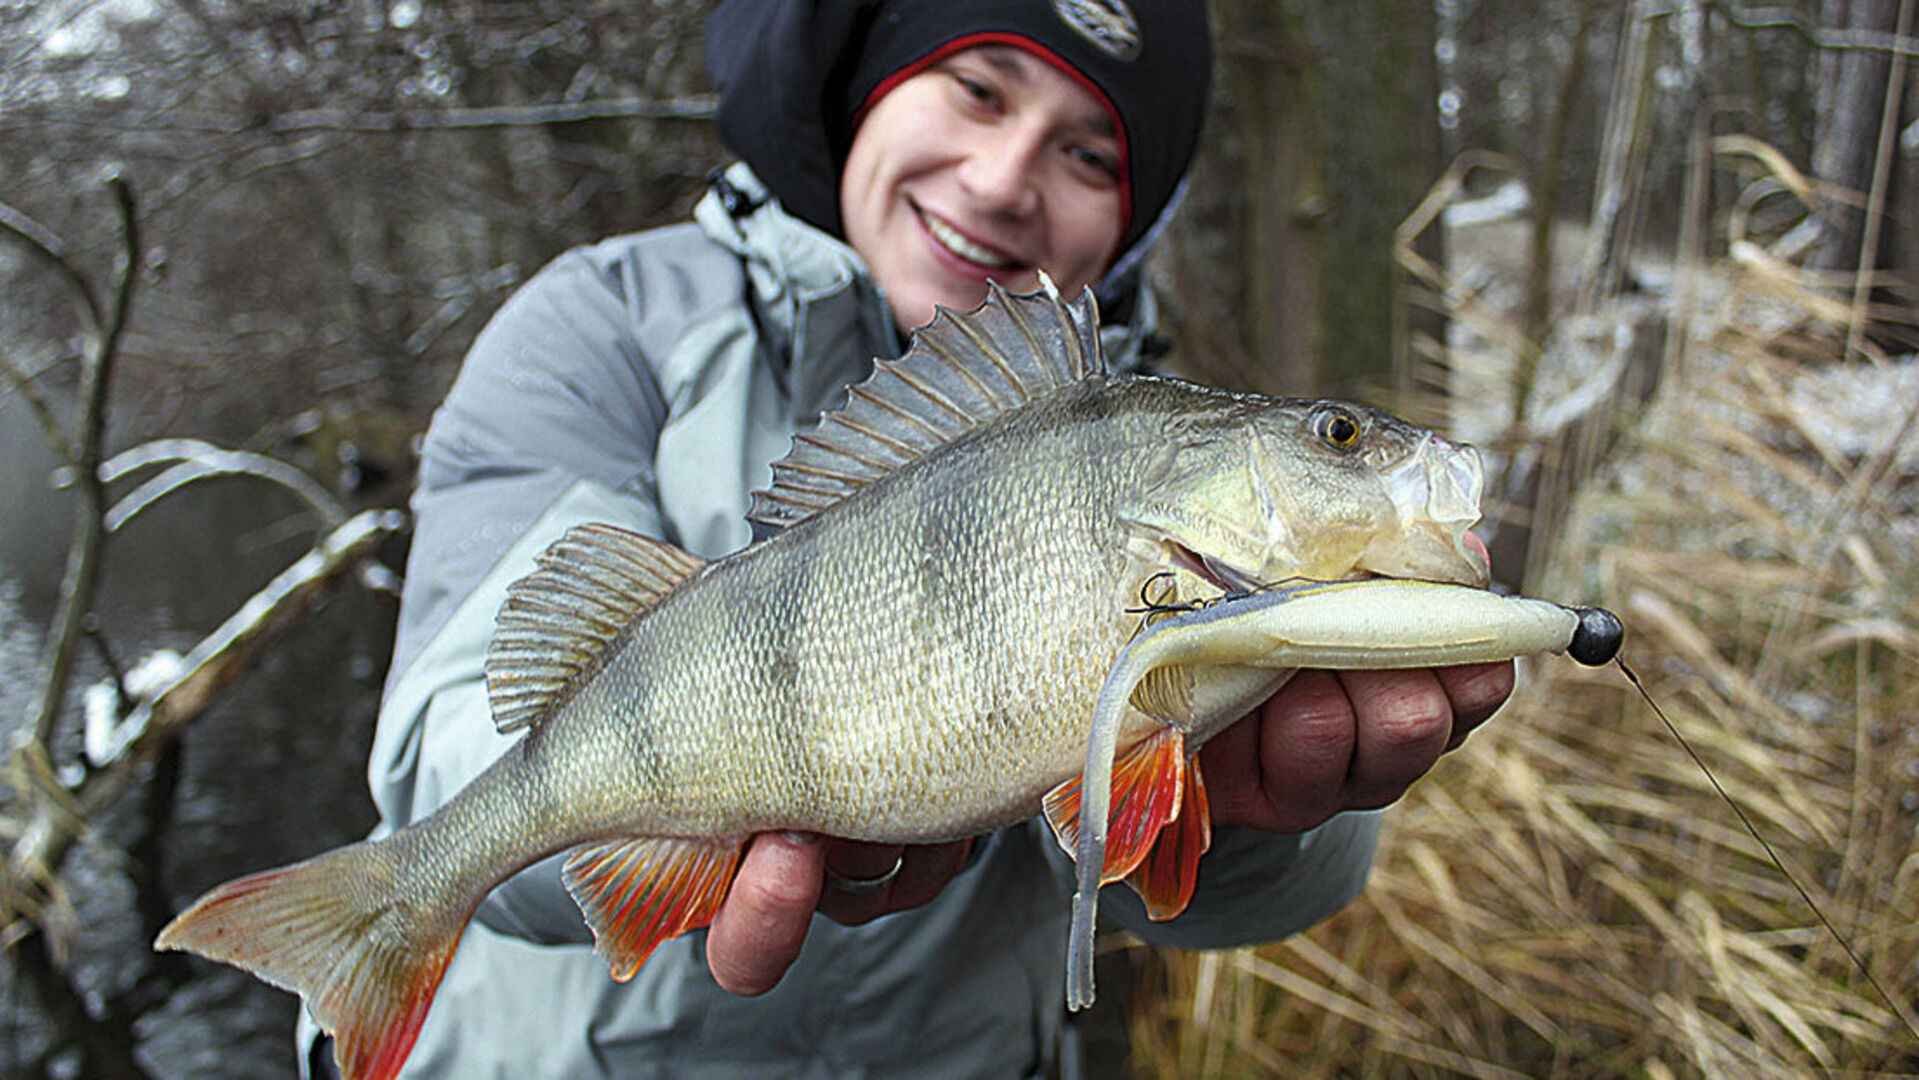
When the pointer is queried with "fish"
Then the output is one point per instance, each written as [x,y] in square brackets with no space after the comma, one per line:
[970,558]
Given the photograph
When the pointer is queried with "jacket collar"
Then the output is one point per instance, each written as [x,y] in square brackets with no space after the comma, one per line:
[814,304]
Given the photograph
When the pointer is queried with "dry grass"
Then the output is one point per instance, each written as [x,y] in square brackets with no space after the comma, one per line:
[1569,896]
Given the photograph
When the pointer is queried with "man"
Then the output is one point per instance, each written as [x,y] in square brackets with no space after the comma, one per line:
[897,156]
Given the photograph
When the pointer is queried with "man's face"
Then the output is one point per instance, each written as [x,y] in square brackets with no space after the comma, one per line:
[989,164]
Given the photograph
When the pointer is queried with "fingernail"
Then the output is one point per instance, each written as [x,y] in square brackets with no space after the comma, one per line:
[802,839]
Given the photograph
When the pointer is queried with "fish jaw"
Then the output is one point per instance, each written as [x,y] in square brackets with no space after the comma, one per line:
[1259,512]
[1435,492]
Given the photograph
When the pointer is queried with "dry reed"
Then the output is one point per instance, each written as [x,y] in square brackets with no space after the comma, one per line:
[1568,896]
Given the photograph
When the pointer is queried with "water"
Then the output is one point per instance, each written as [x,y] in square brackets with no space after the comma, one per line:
[272,773]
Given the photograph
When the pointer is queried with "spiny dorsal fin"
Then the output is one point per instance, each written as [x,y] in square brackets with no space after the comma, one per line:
[557,621]
[962,370]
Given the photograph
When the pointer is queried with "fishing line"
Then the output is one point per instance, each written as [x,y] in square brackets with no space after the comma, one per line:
[1778,863]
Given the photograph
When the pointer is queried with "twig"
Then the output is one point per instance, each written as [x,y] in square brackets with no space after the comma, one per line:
[83,551]
[115,669]
[197,459]
[1898,44]
[695,107]
[42,408]
[47,245]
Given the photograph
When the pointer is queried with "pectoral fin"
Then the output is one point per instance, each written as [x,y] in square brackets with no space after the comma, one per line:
[638,893]
[1147,785]
[1165,879]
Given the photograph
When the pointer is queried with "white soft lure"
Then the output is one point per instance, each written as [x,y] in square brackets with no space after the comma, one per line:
[1372,624]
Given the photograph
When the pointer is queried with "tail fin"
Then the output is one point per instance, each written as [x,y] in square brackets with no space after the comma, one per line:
[336,930]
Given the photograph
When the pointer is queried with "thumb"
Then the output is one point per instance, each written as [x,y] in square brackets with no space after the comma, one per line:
[761,925]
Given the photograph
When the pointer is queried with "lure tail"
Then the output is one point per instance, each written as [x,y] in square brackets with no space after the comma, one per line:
[343,932]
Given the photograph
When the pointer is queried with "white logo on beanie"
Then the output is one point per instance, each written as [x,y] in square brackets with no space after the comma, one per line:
[1108,24]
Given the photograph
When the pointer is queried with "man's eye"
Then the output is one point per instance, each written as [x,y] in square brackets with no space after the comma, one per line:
[1096,160]
[974,89]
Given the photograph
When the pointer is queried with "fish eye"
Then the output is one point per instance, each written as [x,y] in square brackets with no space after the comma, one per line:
[1337,428]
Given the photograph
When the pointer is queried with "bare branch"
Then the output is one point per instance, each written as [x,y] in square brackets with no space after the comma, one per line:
[60,814]
[196,459]
[22,382]
[186,121]
[696,107]
[1788,19]
[83,551]
[48,246]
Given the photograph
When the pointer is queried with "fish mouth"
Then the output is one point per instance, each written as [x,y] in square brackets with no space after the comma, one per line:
[1230,580]
[1435,492]
[1227,578]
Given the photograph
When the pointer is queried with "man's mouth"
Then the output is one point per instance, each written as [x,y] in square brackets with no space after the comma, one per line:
[963,248]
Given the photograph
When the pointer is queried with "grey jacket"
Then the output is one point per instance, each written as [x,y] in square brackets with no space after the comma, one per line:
[650,381]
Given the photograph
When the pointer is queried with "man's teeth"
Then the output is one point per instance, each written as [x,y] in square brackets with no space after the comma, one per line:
[961,246]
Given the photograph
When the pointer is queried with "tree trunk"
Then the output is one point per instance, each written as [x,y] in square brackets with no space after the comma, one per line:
[1851,100]
[1381,152]
[1334,113]
[1267,71]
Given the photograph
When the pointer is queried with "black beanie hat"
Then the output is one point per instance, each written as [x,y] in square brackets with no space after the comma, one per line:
[794,76]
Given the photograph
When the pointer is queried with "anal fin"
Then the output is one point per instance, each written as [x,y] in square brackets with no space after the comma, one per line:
[640,892]
[1147,794]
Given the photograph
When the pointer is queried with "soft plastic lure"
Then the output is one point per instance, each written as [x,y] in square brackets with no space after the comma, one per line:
[1374,624]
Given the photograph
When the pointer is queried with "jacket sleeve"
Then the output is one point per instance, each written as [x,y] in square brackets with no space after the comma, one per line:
[551,422]
[1253,886]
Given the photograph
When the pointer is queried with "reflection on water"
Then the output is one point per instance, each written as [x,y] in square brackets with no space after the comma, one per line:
[272,773]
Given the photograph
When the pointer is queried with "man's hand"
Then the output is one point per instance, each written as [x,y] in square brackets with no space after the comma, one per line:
[1326,742]
[1349,740]
[785,877]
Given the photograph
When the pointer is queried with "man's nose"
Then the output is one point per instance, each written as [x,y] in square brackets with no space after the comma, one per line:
[1002,171]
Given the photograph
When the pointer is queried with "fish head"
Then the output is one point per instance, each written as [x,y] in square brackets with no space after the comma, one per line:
[1265,489]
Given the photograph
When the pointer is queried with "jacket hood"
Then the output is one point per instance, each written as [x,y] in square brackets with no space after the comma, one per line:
[794,76]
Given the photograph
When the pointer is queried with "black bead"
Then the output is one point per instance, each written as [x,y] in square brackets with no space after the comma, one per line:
[1598,637]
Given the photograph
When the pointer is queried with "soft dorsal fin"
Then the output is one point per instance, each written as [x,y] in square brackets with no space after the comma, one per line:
[961,371]
[557,622]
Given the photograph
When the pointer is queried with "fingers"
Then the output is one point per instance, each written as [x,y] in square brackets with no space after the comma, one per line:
[1348,741]
[923,870]
[783,878]
[1476,692]
[1284,767]
[1403,722]
[759,929]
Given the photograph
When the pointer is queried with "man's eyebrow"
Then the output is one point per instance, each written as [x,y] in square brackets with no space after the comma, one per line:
[1007,60]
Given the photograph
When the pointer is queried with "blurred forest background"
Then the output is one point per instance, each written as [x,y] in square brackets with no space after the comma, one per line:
[1657,257]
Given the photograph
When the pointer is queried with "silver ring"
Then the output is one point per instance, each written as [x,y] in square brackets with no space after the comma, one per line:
[857,886]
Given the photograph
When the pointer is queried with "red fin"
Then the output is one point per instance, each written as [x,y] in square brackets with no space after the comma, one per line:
[638,893]
[335,930]
[1146,795]
[1165,879]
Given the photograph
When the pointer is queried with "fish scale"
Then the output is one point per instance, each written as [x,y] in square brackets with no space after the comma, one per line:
[919,653]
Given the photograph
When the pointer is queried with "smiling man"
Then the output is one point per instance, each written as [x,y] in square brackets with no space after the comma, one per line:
[986,162]
[897,155]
